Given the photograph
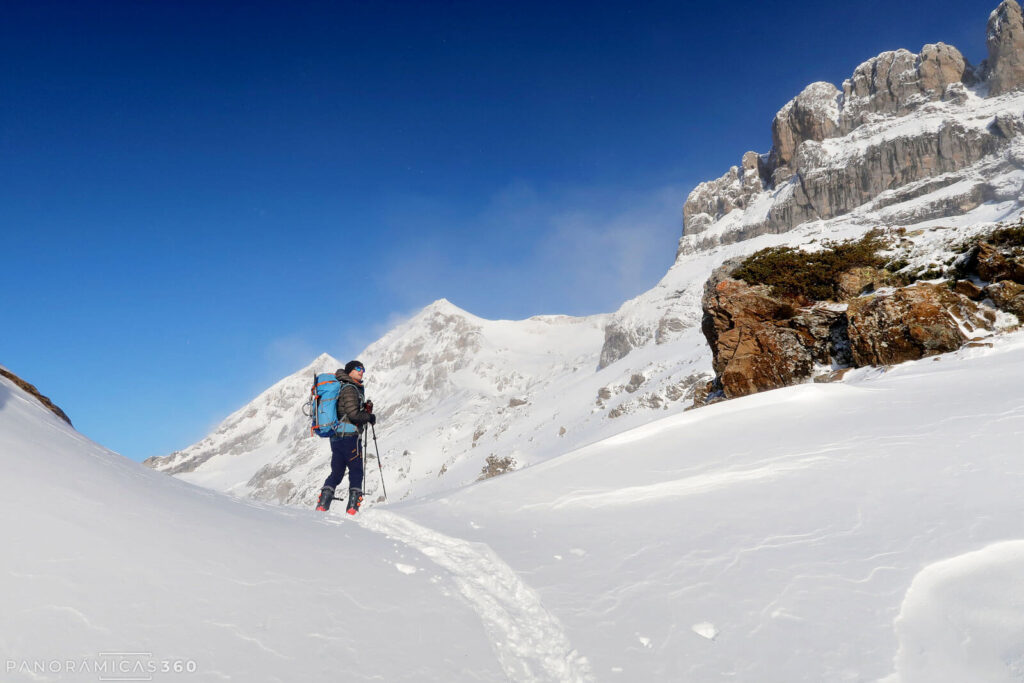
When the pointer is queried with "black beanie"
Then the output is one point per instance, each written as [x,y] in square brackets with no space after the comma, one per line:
[352,365]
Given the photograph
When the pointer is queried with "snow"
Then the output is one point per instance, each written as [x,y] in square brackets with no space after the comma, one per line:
[705,630]
[977,113]
[962,619]
[795,522]
[103,555]
[866,530]
[504,603]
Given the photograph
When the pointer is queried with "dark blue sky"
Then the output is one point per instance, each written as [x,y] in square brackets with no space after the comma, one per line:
[196,198]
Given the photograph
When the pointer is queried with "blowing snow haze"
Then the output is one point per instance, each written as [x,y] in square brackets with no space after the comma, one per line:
[794,458]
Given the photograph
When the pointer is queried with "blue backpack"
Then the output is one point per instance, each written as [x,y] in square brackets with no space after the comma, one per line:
[323,408]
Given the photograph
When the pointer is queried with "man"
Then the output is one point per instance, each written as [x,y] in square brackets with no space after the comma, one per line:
[355,412]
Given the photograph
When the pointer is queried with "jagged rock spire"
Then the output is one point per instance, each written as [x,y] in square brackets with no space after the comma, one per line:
[1005,40]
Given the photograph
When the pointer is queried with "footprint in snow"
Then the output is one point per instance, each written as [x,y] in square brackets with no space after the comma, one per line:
[529,641]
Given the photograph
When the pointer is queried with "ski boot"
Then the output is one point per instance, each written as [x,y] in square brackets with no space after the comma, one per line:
[355,499]
[326,496]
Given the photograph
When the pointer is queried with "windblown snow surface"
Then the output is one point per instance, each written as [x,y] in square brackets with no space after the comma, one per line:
[871,530]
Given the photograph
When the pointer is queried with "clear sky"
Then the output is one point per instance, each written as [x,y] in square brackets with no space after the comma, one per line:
[197,198]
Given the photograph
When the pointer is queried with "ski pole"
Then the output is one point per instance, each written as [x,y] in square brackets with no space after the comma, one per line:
[366,442]
[379,466]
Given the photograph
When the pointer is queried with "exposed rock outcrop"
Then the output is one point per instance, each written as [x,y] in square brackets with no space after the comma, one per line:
[760,342]
[495,466]
[718,197]
[763,340]
[907,138]
[899,81]
[811,115]
[1005,40]
[618,342]
[1007,295]
[911,323]
[30,389]
[991,265]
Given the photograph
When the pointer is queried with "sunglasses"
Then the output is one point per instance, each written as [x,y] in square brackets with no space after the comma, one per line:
[358,369]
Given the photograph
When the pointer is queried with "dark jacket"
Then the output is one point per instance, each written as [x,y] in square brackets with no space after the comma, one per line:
[350,402]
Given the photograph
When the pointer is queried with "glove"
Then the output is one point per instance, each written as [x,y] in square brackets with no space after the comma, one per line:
[373,419]
[368,406]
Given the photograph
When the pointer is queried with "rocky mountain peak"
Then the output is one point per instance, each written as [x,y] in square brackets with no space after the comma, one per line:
[1005,40]
[904,125]
[899,81]
[811,115]
[892,83]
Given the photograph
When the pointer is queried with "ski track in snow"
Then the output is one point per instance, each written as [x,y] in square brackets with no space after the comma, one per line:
[528,640]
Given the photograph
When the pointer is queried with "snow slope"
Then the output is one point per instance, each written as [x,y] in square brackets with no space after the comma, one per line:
[110,564]
[860,531]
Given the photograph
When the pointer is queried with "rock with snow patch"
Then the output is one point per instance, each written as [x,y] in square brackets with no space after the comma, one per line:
[1005,40]
[734,190]
[857,281]
[899,81]
[811,115]
[969,289]
[910,323]
[992,265]
[618,342]
[760,342]
[1007,295]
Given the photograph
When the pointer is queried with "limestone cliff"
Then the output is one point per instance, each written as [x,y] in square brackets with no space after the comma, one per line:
[901,118]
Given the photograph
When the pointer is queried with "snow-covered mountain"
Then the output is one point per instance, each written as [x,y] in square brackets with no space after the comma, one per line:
[451,391]
[919,140]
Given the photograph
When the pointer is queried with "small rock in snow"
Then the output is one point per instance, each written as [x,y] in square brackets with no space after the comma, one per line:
[705,630]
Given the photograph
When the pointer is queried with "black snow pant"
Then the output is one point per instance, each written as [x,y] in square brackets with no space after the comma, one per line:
[346,451]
